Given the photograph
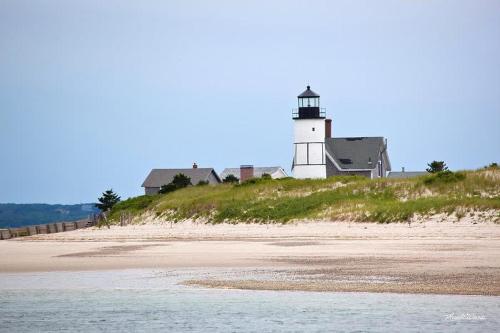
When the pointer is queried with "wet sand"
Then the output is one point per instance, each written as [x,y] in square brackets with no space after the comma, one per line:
[429,257]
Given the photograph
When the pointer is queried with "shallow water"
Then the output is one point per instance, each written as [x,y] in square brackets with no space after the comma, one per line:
[152,300]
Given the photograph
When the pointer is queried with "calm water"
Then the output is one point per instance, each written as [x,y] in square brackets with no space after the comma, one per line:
[146,300]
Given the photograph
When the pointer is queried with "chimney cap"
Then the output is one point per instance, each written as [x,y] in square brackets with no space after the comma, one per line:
[246,166]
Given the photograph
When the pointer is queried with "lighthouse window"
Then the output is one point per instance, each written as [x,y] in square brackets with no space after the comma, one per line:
[305,102]
[314,129]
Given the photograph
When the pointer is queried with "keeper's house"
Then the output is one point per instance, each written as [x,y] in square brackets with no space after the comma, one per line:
[318,155]
[159,177]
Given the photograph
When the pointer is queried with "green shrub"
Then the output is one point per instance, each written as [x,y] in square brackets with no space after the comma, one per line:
[164,189]
[180,181]
[231,179]
[444,177]
[133,205]
[253,181]
[285,178]
[436,166]
[250,181]
[136,203]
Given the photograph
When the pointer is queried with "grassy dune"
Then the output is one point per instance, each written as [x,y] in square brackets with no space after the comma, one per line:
[337,198]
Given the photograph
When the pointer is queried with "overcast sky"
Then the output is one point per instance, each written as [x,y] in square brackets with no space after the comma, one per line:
[93,94]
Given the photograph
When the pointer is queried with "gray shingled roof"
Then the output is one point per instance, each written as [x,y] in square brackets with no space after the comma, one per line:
[308,93]
[354,153]
[406,174]
[257,171]
[159,177]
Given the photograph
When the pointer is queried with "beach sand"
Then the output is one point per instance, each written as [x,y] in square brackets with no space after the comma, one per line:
[429,257]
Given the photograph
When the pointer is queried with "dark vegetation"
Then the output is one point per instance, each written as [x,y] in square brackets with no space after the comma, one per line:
[180,181]
[230,179]
[18,215]
[107,200]
[436,166]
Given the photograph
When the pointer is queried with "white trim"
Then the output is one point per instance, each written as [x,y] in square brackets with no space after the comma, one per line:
[280,173]
[284,172]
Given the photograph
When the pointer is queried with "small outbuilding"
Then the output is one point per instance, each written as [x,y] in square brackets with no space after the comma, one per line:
[245,172]
[406,174]
[159,177]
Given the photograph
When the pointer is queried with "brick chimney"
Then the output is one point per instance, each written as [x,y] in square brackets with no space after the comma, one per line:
[328,128]
[246,172]
[195,166]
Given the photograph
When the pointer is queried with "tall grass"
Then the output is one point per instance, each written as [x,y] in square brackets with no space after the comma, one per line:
[336,198]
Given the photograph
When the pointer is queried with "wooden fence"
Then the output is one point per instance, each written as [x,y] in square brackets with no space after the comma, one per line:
[49,228]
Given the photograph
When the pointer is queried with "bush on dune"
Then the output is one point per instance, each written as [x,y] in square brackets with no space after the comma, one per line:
[446,176]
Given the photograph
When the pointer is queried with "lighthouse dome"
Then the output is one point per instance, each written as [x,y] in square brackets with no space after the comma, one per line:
[308,93]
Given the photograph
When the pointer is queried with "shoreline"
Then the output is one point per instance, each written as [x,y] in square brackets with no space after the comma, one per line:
[430,257]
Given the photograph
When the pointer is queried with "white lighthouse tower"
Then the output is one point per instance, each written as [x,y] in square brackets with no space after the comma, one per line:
[309,137]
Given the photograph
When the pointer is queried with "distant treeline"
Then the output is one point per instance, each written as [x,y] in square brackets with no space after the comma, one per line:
[18,215]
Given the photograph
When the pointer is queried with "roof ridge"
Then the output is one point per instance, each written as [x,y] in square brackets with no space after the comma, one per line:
[350,137]
[182,168]
[274,166]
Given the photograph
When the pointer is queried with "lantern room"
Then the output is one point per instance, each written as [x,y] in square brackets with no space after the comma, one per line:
[308,103]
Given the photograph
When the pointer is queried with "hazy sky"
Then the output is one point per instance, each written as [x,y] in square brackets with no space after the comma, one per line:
[93,94]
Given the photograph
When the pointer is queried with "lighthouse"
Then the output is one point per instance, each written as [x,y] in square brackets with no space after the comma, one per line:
[309,137]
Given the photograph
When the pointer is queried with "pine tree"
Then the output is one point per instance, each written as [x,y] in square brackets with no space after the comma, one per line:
[107,201]
[436,166]
[230,179]
[181,180]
